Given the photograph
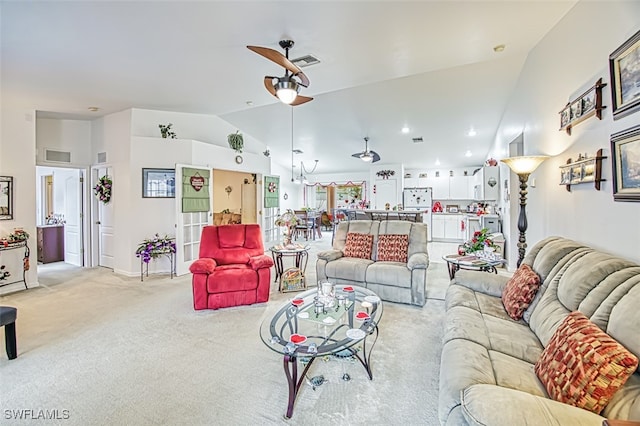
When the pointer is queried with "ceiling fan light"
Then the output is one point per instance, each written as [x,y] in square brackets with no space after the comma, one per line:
[366,157]
[287,91]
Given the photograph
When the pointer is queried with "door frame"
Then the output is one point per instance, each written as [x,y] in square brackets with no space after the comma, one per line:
[93,258]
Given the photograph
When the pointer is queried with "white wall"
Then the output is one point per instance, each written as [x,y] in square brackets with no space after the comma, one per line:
[568,60]
[64,135]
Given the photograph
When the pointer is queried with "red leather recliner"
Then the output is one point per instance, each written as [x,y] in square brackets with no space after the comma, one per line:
[232,269]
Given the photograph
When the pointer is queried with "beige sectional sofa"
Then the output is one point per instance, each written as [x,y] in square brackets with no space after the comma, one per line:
[487,370]
[392,281]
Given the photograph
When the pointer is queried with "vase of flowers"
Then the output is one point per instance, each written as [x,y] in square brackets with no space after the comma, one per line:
[155,247]
[479,243]
[102,189]
[288,221]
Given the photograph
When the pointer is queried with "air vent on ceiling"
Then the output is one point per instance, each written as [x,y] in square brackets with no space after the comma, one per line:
[102,157]
[297,151]
[417,140]
[306,61]
[54,156]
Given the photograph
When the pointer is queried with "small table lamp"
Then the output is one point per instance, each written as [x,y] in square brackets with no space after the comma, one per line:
[523,167]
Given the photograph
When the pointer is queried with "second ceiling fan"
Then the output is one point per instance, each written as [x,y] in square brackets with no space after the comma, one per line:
[285,88]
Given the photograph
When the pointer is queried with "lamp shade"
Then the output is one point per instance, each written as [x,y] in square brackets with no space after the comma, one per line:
[524,165]
[366,157]
[287,91]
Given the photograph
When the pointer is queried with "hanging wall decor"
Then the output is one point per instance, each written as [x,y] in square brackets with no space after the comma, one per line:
[584,106]
[625,151]
[624,69]
[103,189]
[6,197]
[272,191]
[195,190]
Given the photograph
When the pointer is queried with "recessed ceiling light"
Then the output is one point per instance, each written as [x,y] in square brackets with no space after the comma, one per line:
[467,154]
[499,48]
[472,132]
[405,129]
[249,103]
[437,162]
[93,109]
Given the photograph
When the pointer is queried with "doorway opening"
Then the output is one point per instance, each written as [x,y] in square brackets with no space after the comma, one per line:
[60,217]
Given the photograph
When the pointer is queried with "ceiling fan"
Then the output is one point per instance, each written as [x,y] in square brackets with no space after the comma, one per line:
[284,88]
[367,155]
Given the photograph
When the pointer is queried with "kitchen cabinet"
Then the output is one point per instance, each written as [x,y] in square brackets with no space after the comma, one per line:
[459,188]
[50,243]
[447,227]
[486,184]
[437,226]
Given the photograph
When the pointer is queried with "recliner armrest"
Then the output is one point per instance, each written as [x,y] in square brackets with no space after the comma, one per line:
[259,262]
[203,266]
[418,261]
[330,255]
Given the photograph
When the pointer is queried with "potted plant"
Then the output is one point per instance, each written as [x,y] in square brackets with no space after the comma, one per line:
[155,247]
[479,242]
[236,141]
[166,132]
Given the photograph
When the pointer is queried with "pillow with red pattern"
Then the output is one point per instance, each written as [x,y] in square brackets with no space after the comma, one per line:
[582,365]
[393,248]
[358,245]
[520,290]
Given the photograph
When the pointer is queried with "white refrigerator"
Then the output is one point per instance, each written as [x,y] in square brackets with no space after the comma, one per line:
[419,199]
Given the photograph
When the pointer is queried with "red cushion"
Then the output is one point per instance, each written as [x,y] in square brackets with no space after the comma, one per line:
[582,365]
[259,262]
[232,278]
[358,245]
[393,248]
[520,290]
[231,236]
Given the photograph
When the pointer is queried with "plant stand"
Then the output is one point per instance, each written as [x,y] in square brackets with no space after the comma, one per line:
[144,266]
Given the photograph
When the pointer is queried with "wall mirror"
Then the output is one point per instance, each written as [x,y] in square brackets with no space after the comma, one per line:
[6,197]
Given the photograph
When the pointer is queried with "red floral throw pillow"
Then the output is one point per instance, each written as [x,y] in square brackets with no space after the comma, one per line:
[358,245]
[520,290]
[582,365]
[393,248]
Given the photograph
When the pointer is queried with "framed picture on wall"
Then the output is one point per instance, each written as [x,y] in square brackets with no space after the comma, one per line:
[625,150]
[158,183]
[624,67]
[6,197]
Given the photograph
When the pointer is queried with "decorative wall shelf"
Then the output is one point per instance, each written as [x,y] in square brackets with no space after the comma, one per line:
[583,170]
[586,105]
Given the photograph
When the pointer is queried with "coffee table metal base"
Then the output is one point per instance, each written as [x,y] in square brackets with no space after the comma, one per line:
[290,364]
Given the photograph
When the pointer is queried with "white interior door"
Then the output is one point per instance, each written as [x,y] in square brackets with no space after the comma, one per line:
[386,192]
[104,222]
[72,214]
[249,202]
[189,225]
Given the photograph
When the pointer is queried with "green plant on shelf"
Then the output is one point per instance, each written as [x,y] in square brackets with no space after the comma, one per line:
[155,247]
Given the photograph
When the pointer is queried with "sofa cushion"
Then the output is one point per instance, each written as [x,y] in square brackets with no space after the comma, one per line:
[389,273]
[583,366]
[520,291]
[393,248]
[348,269]
[358,245]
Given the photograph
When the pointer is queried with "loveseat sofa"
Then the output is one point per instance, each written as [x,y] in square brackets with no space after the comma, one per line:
[396,281]
[487,369]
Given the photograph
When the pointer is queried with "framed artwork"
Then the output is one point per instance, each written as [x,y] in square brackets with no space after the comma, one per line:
[625,150]
[584,106]
[158,183]
[589,101]
[624,67]
[6,198]
[576,174]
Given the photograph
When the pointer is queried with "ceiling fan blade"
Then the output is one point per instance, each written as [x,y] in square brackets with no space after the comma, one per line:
[376,157]
[299,100]
[304,80]
[358,154]
[268,84]
[278,58]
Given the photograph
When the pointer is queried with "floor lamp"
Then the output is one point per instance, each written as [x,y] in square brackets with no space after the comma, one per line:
[523,167]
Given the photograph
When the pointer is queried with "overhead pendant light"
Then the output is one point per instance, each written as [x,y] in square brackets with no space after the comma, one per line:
[287,91]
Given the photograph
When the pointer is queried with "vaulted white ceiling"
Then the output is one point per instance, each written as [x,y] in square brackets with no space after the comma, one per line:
[427,65]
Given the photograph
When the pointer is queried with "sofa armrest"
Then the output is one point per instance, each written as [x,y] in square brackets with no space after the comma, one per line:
[418,261]
[482,282]
[330,255]
[484,404]
[261,261]
[203,266]
[615,422]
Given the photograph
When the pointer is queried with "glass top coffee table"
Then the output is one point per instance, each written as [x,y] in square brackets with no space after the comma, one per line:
[455,262]
[315,324]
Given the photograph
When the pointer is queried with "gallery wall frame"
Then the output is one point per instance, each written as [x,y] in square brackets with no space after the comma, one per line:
[624,69]
[625,150]
[584,106]
[158,183]
[6,197]
[583,170]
